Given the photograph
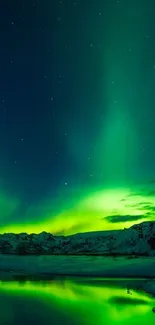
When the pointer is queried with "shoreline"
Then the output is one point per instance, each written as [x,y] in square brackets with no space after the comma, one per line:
[90,266]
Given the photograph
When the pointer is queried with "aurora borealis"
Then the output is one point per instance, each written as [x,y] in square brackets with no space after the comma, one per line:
[77,115]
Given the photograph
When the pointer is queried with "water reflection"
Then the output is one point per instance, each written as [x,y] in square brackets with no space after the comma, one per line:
[74,301]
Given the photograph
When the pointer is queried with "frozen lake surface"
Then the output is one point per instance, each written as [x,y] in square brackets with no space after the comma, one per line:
[79,265]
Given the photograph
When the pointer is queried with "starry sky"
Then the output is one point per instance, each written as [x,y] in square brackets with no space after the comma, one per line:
[77,112]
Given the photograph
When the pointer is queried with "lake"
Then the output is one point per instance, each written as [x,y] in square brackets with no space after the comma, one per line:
[75,301]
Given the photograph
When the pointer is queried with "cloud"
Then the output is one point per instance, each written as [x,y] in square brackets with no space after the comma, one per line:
[124,218]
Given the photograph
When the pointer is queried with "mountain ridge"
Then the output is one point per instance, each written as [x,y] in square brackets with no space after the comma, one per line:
[139,239]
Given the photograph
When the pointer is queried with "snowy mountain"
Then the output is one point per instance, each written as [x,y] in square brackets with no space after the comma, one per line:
[137,240]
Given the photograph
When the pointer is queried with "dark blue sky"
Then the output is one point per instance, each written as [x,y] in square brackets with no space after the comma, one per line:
[50,81]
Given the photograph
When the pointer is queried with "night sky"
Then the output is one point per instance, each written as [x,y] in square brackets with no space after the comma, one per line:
[77,115]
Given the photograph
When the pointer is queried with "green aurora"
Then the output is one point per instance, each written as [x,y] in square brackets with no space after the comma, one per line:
[120,194]
[106,209]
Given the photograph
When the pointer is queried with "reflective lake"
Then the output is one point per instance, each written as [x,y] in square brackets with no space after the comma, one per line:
[74,301]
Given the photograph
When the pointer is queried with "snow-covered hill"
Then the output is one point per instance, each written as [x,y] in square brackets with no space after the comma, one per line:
[137,240]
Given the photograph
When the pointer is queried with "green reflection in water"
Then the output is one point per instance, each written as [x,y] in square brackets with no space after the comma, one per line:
[76,302]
